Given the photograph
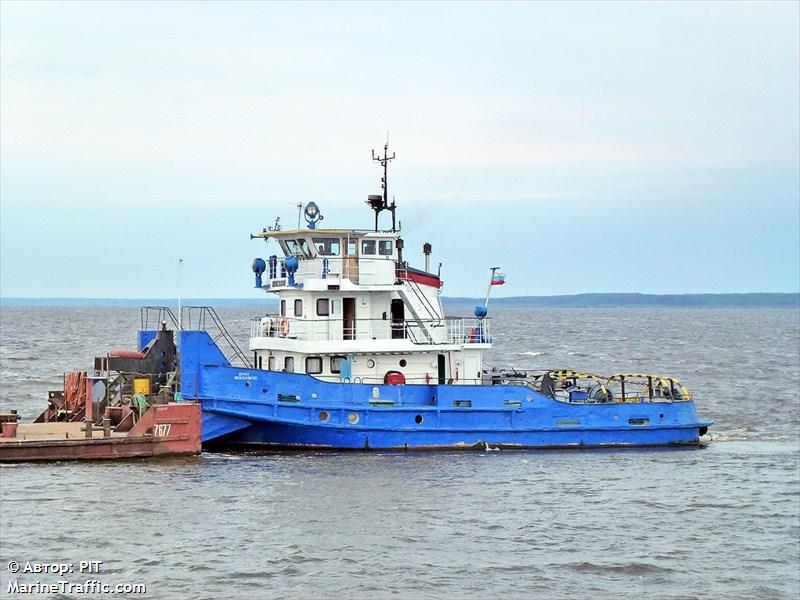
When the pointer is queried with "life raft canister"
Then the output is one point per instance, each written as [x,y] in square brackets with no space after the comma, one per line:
[394,378]
[283,328]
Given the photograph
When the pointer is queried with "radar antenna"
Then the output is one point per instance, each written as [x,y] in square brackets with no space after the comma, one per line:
[380,203]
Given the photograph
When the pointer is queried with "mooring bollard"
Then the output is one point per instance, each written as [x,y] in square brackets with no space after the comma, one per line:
[88,429]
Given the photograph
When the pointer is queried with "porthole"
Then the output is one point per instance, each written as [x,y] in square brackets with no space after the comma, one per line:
[352,418]
[418,419]
[403,362]
[324,416]
[371,364]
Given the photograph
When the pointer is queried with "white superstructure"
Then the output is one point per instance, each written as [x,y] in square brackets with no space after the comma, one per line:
[351,309]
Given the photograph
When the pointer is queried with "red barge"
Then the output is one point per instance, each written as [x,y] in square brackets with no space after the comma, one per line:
[128,406]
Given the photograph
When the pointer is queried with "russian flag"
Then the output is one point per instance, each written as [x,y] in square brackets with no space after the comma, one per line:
[499,278]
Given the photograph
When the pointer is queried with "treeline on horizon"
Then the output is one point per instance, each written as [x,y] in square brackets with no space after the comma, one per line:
[605,300]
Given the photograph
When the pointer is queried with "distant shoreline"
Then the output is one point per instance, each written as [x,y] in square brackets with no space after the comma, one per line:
[609,300]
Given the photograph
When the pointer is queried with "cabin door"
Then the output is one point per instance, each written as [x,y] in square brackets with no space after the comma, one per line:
[472,369]
[398,319]
[351,260]
[348,318]
[441,365]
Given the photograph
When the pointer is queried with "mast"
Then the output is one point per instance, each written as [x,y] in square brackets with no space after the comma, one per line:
[379,203]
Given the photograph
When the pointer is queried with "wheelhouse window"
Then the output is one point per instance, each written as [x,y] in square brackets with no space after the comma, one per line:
[323,307]
[283,308]
[297,248]
[314,365]
[336,363]
[327,246]
[368,247]
[385,247]
[288,364]
[298,308]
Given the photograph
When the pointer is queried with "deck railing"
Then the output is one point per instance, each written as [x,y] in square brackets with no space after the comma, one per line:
[451,330]
[361,270]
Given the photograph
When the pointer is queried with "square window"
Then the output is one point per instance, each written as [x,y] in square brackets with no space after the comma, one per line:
[323,307]
[327,246]
[336,307]
[283,308]
[314,365]
[368,247]
[298,308]
[336,363]
[271,363]
[385,247]
[288,364]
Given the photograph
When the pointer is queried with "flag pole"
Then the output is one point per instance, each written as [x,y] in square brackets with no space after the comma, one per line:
[489,290]
[180,311]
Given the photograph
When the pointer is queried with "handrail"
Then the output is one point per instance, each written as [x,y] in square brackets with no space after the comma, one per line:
[421,298]
[199,314]
[603,389]
[330,267]
[450,330]
[163,315]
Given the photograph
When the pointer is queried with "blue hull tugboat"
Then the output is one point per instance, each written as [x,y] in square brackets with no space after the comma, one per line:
[361,356]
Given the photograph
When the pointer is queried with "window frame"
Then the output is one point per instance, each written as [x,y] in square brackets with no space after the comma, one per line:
[365,244]
[298,302]
[321,364]
[327,312]
[288,360]
[382,244]
[282,309]
[327,241]
[339,357]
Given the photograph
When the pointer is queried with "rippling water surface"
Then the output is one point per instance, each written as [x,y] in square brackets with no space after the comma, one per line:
[720,522]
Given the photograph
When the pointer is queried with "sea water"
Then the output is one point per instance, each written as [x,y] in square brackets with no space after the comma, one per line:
[716,522]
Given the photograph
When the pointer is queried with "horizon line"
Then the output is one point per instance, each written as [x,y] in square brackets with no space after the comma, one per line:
[795,293]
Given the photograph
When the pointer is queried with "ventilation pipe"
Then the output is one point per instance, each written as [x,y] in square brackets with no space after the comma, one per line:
[426,250]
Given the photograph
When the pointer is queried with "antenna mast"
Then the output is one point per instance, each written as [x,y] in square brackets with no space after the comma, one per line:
[382,203]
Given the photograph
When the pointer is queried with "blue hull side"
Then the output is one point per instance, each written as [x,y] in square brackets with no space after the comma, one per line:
[290,410]
[308,436]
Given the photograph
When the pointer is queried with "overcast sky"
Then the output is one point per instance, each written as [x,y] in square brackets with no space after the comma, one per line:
[631,147]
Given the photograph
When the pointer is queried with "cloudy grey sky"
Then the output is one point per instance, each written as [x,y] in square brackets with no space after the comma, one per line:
[584,147]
